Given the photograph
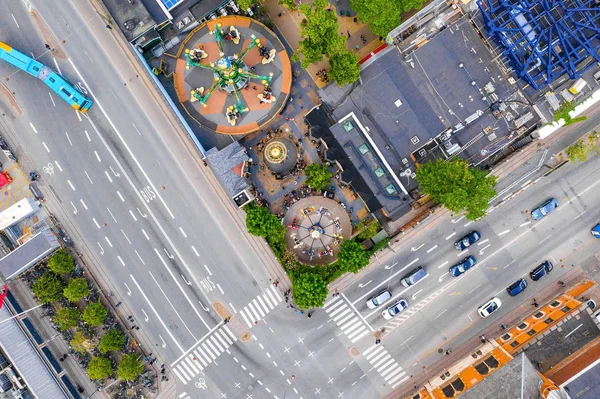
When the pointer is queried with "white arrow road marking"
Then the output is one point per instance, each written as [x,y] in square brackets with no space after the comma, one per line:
[483,242]
[483,249]
[164,344]
[141,213]
[388,267]
[204,307]
[146,318]
[101,249]
[74,208]
[443,276]
[443,264]
[459,219]
[114,173]
[416,249]
[168,254]
[415,294]
[361,285]
[187,282]
[128,290]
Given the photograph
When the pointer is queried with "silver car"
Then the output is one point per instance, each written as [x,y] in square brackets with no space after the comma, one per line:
[379,299]
[393,310]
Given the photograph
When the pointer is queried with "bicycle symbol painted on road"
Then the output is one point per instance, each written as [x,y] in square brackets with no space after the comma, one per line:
[201,384]
[48,169]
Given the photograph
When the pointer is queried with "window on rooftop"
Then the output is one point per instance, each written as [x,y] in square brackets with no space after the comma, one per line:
[363,149]
[379,172]
[348,125]
[391,189]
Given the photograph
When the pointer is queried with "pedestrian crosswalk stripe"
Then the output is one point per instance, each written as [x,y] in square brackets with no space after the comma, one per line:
[221,340]
[345,318]
[183,373]
[397,383]
[179,375]
[201,358]
[262,303]
[224,334]
[274,289]
[367,351]
[245,318]
[385,373]
[185,366]
[266,297]
[351,325]
[217,344]
[256,316]
[208,351]
[336,311]
[376,359]
[360,336]
[262,314]
[212,348]
[338,318]
[230,333]
[193,366]
[387,363]
[272,296]
[182,395]
[391,379]
[379,349]
[335,304]
[355,332]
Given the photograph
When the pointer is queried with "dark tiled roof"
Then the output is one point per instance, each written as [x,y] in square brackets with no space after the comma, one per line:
[225,163]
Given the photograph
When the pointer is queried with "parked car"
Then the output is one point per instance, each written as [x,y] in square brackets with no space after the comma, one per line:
[517,287]
[414,276]
[489,307]
[462,266]
[467,240]
[395,309]
[544,209]
[378,299]
[541,270]
[596,231]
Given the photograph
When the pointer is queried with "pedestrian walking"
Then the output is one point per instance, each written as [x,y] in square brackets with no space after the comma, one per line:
[130,318]
[377,341]
[535,304]
[357,47]
[482,339]
[47,46]
[108,26]
[562,283]
[348,33]
[118,304]
[309,315]
[448,352]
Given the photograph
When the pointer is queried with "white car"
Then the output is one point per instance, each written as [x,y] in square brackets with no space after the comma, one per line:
[489,307]
[378,299]
[395,309]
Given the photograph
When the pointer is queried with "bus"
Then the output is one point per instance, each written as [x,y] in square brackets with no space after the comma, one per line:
[53,80]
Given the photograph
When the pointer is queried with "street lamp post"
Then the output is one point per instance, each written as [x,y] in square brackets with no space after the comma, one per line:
[19,314]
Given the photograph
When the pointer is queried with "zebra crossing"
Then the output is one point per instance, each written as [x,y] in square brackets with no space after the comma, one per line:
[385,365]
[207,350]
[346,318]
[260,306]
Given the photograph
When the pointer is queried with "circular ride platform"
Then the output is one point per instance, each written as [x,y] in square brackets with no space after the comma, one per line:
[233,75]
[316,226]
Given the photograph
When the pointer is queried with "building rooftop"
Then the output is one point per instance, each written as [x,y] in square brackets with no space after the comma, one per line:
[133,18]
[585,385]
[516,379]
[28,254]
[228,166]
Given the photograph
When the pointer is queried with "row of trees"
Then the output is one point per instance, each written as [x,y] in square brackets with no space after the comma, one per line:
[383,15]
[50,288]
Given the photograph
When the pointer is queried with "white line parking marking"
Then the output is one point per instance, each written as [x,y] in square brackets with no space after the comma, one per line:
[127,238]
[525,224]
[51,99]
[87,134]
[14,19]
[483,242]
[142,260]
[133,216]
[33,127]
[432,248]
[97,156]
[111,214]
[504,232]
[58,166]
[108,241]
[121,260]
[88,176]
[107,175]
[443,264]
[46,147]
[83,203]
[182,232]
[120,196]
[71,184]
[68,138]
[196,252]
[146,235]
[97,225]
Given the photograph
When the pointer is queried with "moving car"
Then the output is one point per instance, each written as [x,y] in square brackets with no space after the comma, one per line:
[517,287]
[489,307]
[378,299]
[393,310]
[596,231]
[541,270]
[544,209]
[462,266]
[467,240]
[414,276]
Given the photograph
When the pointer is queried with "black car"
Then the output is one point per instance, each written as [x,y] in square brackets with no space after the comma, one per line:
[541,270]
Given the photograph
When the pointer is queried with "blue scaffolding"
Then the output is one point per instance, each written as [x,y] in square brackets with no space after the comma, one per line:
[545,39]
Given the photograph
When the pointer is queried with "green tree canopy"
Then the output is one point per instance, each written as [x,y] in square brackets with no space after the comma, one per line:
[457,186]
[310,290]
[113,340]
[94,314]
[352,256]
[99,368]
[260,222]
[67,318]
[76,289]
[578,151]
[317,176]
[289,4]
[130,368]
[61,262]
[245,4]
[320,33]
[383,15]
[48,288]
[81,343]
[343,67]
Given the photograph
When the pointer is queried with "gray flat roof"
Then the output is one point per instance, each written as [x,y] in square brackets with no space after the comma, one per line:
[226,164]
[123,11]
[26,359]
[28,254]
[586,385]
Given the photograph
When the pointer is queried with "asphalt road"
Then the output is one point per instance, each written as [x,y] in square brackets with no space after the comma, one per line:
[442,311]
[138,204]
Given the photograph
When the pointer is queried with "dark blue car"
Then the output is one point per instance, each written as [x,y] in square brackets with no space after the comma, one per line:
[541,270]
[544,209]
[463,266]
[517,287]
[467,240]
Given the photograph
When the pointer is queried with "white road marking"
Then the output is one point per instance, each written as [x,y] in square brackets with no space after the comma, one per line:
[196,252]
[182,232]
[51,99]
[208,270]
[58,166]
[146,235]
[443,264]
[97,156]
[121,260]
[14,19]
[386,280]
[127,238]
[101,249]
[108,241]
[57,67]
[581,214]
[138,254]
[445,310]
[462,253]
[136,129]
[83,203]
[451,235]
[220,289]
[74,208]
[432,248]
[133,216]
[504,232]
[459,219]
[71,184]
[88,176]
[484,248]
[120,196]
[107,175]
[68,138]
[469,223]
[511,262]
[525,224]
[111,214]
[78,116]
[483,242]
[96,223]
[87,134]
[474,288]
[526,183]
[157,316]
[45,146]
